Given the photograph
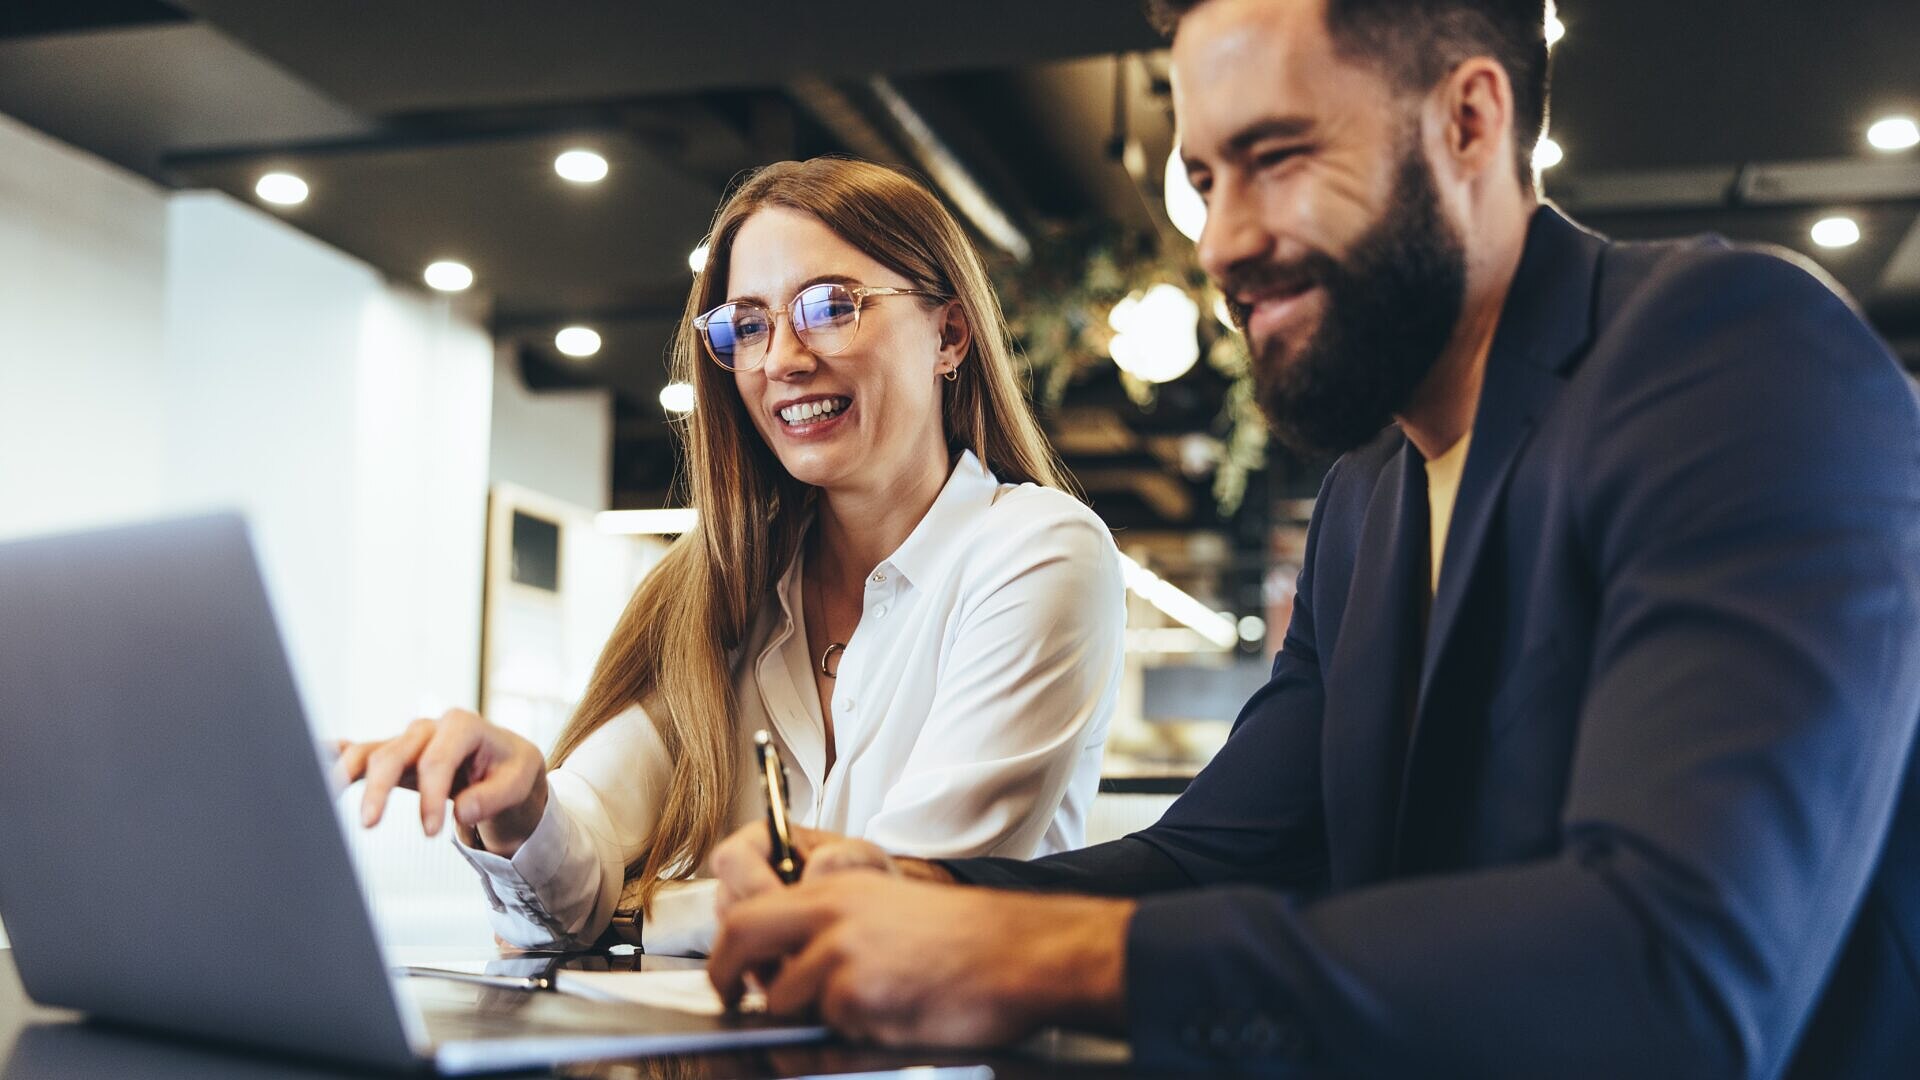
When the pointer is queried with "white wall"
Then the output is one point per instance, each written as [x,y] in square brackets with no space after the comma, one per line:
[160,354]
[558,444]
[350,419]
[82,301]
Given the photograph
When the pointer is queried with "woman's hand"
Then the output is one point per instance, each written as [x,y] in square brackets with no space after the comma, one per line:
[496,779]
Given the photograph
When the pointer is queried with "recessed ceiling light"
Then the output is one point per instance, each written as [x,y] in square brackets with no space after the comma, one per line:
[449,276]
[284,189]
[677,398]
[1836,232]
[1547,154]
[1894,133]
[581,166]
[697,259]
[1555,28]
[578,342]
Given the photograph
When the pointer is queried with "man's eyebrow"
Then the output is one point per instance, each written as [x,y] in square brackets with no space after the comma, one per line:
[1278,127]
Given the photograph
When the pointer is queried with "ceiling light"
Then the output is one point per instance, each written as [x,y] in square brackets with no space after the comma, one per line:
[1894,133]
[1547,154]
[284,189]
[1252,628]
[1555,28]
[1178,604]
[697,259]
[449,276]
[1185,208]
[677,398]
[578,342]
[1154,333]
[1836,232]
[581,166]
[647,522]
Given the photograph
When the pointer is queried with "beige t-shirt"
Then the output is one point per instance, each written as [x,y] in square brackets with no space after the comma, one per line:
[1443,486]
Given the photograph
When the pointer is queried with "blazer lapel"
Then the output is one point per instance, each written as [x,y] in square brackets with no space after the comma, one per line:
[1370,676]
[1544,325]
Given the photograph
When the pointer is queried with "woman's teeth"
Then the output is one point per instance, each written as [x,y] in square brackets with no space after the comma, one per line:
[813,410]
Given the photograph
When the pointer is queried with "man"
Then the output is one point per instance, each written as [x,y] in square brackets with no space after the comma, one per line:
[1603,768]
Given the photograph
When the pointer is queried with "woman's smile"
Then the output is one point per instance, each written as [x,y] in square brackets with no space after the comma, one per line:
[814,416]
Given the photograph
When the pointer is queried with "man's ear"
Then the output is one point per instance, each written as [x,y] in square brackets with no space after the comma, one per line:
[1476,102]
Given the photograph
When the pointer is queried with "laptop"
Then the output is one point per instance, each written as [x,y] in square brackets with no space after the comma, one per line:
[170,852]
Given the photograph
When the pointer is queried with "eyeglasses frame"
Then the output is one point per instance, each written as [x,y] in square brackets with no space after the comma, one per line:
[860,293]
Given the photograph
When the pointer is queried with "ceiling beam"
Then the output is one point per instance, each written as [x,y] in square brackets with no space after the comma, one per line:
[1758,184]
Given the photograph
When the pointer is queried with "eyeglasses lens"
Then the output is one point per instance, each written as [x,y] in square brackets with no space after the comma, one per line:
[737,334]
[825,317]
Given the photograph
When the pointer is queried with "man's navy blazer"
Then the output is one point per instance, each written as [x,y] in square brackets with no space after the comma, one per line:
[1637,797]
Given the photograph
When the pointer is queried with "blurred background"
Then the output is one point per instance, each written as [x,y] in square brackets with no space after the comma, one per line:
[398,279]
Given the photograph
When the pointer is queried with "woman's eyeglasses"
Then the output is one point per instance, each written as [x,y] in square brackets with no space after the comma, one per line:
[825,317]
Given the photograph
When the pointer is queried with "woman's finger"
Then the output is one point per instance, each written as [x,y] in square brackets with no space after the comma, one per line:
[350,764]
[454,740]
[385,767]
[505,786]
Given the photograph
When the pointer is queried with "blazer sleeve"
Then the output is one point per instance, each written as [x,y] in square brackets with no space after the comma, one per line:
[1749,491]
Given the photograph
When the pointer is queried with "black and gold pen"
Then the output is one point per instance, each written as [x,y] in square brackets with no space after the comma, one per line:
[780,853]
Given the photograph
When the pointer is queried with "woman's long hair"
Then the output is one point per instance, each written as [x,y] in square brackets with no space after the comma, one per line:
[672,651]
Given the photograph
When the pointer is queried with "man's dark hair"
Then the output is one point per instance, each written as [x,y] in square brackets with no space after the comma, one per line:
[1416,43]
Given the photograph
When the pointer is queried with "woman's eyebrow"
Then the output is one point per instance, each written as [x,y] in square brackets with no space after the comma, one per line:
[819,279]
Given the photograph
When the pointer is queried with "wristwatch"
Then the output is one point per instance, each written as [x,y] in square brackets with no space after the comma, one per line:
[626,926]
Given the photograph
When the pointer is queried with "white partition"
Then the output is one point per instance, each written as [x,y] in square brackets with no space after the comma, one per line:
[166,353]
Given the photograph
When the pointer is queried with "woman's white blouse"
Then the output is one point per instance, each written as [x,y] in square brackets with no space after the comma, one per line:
[970,711]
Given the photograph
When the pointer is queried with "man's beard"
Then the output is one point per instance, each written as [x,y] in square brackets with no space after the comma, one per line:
[1390,307]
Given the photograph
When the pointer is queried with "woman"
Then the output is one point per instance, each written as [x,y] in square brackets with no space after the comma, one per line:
[885,575]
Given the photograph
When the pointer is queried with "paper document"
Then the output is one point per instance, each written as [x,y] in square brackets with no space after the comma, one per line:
[686,991]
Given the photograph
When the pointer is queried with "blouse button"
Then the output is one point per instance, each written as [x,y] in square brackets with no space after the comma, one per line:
[880,612]
[879,577]
[846,705]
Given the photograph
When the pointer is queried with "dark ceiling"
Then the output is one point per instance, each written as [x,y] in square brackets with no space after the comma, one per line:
[427,129]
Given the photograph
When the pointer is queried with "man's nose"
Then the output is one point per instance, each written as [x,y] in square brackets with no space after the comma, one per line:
[1233,235]
[787,356]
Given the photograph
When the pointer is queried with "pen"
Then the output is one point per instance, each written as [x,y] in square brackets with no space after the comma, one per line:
[529,983]
[780,853]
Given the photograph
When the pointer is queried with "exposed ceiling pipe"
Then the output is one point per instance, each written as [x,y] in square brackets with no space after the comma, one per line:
[954,179]
[838,113]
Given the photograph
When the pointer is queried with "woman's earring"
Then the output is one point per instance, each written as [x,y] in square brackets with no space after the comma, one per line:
[952,374]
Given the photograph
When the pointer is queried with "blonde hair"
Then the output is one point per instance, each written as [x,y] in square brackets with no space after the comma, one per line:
[672,649]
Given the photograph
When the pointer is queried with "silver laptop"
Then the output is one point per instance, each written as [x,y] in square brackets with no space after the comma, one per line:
[170,855]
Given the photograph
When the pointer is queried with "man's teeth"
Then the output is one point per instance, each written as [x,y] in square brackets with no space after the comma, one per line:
[812,410]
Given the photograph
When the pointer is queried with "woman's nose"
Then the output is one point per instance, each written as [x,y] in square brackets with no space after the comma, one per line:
[787,355]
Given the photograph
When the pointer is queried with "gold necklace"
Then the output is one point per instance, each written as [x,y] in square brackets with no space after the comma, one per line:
[835,647]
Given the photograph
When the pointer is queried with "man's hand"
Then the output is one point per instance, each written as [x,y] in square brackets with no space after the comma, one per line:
[740,862]
[906,962]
